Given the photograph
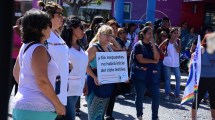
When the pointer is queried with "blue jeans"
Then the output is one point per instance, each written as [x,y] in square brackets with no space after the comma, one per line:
[161,70]
[177,73]
[70,108]
[140,87]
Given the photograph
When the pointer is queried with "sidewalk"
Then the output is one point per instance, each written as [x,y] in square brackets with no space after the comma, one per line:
[169,110]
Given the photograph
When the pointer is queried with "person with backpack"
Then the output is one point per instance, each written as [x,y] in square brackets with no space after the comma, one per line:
[144,72]
[171,62]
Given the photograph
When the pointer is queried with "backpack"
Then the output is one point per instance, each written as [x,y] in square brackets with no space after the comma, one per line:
[131,59]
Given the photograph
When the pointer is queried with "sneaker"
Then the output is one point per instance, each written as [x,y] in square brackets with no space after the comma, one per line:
[166,98]
[109,118]
[139,118]
[177,99]
[120,97]
[205,100]
[77,112]
[85,104]
[171,94]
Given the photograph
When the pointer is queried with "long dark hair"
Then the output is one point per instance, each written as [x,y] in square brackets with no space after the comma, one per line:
[67,31]
[96,20]
[144,31]
[172,30]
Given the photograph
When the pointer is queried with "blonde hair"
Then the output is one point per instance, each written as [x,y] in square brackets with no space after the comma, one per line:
[104,29]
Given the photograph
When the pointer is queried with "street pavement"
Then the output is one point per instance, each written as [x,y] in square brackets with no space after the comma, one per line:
[169,109]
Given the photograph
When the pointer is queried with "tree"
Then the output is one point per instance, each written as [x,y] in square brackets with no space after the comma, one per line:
[76,4]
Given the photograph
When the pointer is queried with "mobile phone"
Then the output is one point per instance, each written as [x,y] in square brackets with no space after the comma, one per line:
[57,85]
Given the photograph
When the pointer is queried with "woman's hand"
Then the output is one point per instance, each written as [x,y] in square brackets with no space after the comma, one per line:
[152,40]
[155,61]
[85,90]
[128,81]
[70,66]
[96,81]
[60,109]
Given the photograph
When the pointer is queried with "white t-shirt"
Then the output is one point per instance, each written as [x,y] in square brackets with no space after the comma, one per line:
[59,51]
[172,60]
[79,60]
[29,96]
[131,38]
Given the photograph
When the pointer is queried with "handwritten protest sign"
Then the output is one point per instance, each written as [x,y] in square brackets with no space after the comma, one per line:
[112,67]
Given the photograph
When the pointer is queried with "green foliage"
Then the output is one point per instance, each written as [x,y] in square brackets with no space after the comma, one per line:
[99,2]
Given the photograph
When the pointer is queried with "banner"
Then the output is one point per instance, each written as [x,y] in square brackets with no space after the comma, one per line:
[112,67]
[194,75]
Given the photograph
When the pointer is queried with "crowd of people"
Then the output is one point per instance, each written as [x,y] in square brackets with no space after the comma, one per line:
[56,64]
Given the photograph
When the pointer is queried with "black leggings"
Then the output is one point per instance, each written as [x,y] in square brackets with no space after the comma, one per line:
[206,84]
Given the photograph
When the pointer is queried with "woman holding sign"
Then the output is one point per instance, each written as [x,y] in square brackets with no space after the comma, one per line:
[98,95]
[144,72]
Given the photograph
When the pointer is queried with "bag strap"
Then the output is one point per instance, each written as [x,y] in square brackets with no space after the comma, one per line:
[142,45]
[132,52]
[32,43]
[99,47]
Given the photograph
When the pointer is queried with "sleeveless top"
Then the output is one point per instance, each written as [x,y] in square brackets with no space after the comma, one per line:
[208,65]
[172,60]
[60,52]
[79,61]
[29,96]
[93,63]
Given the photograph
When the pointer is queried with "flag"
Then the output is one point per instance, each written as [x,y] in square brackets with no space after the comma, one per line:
[194,75]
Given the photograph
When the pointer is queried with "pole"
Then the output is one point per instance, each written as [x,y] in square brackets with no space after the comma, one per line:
[196,105]
[150,10]
[6,14]
[118,11]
